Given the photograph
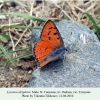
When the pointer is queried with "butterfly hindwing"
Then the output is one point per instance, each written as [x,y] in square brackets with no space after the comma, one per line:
[42,50]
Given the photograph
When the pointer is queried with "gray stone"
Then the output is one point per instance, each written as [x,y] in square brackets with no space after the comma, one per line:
[80,66]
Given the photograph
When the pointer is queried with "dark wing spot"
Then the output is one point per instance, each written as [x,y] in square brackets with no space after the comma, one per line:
[55,33]
[49,32]
[46,48]
[43,35]
[49,38]
[50,27]
[57,38]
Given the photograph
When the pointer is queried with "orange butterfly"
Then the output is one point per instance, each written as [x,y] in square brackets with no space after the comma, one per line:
[51,45]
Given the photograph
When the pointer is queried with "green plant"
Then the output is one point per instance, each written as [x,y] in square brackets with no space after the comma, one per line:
[7,54]
[4,37]
[96,24]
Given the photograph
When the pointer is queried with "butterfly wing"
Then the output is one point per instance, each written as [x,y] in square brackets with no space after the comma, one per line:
[42,50]
[50,40]
[51,34]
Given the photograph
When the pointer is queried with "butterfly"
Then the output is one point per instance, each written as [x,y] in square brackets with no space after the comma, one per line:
[51,45]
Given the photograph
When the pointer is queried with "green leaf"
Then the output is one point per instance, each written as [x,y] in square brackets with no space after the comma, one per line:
[23,15]
[99,10]
[91,18]
[4,37]
[65,17]
[22,27]
[6,54]
[18,57]
[12,60]
[11,52]
[94,21]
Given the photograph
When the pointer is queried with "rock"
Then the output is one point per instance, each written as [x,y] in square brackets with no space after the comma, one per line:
[80,66]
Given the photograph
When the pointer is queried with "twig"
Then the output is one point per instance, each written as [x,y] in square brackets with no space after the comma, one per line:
[63,11]
[28,25]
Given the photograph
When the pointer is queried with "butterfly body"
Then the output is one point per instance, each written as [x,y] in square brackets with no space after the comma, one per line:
[57,51]
[51,45]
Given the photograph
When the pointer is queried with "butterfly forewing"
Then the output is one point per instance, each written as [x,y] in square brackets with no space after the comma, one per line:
[51,34]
